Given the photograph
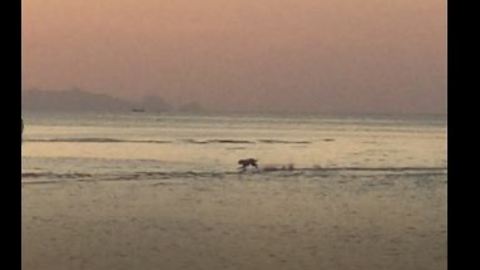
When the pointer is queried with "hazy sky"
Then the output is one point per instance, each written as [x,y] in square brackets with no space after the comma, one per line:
[295,55]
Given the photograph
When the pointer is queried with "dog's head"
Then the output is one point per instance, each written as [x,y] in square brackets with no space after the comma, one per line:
[243,161]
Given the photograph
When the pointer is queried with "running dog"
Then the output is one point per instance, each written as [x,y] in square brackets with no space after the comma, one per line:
[248,162]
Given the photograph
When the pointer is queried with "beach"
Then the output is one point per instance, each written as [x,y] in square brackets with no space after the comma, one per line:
[149,191]
[233,135]
[245,221]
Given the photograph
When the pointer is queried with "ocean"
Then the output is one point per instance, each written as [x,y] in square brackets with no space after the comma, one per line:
[143,146]
[164,191]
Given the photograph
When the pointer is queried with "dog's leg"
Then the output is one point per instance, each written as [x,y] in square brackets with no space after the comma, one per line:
[242,169]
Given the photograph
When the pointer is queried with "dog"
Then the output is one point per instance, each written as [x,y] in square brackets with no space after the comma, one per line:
[248,162]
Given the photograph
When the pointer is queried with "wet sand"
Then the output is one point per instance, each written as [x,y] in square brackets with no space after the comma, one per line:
[237,222]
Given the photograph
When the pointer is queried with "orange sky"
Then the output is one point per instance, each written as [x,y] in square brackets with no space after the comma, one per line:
[295,55]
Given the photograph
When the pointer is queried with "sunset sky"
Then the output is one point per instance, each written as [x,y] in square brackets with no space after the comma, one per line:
[285,55]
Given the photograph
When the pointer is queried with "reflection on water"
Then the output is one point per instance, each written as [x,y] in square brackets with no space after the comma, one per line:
[123,145]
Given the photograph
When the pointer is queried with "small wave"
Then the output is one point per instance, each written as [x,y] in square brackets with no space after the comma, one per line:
[284,142]
[192,141]
[281,171]
[235,141]
[227,141]
[51,178]
[95,140]
[56,175]
[396,169]
[41,182]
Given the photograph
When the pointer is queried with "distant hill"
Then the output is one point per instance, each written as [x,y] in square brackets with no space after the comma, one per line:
[78,100]
[155,104]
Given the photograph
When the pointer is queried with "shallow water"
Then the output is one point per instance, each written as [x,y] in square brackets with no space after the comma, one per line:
[141,191]
[78,146]
[354,220]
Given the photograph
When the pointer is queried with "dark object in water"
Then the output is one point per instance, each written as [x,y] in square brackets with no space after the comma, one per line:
[248,162]
[138,110]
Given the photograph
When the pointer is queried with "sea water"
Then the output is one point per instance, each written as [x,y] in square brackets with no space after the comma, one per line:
[142,146]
